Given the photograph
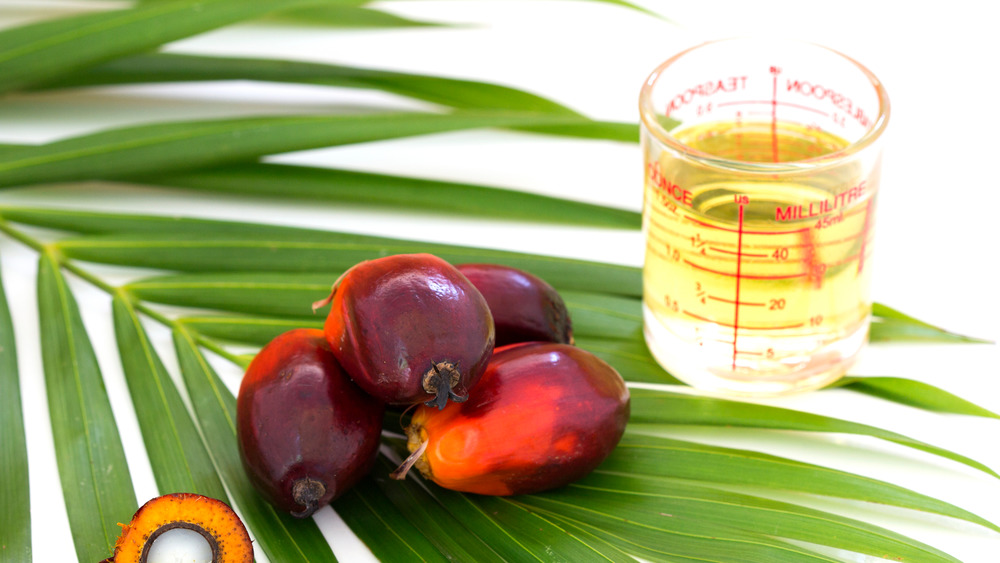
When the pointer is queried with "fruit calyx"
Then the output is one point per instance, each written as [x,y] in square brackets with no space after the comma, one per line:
[306,492]
[413,459]
[333,291]
[439,381]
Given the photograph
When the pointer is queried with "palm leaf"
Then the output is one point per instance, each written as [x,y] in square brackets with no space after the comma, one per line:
[604,501]
[662,408]
[282,537]
[916,394]
[279,181]
[643,455]
[246,330]
[186,145]
[630,357]
[892,330]
[510,531]
[96,483]
[610,551]
[672,540]
[345,17]
[646,543]
[449,92]
[36,52]
[375,520]
[895,325]
[179,460]
[330,257]
[169,67]
[15,520]
[327,14]
[529,535]
[414,517]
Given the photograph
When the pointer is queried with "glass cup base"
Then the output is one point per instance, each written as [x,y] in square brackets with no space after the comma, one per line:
[711,368]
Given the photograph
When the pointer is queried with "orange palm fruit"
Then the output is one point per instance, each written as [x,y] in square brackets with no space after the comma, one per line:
[542,416]
[213,519]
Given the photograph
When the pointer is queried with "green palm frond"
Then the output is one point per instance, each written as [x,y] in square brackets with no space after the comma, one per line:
[15,522]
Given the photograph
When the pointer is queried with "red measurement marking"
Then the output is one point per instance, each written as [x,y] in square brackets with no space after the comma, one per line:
[724,251]
[771,103]
[785,327]
[729,230]
[744,327]
[744,276]
[734,302]
[739,262]
[790,246]
[684,216]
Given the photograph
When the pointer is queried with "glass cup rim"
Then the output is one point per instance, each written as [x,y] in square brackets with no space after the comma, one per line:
[649,123]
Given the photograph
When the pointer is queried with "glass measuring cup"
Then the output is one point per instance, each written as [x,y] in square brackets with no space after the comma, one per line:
[761,173]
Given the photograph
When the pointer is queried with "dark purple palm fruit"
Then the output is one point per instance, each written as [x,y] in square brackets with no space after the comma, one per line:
[409,328]
[525,308]
[306,432]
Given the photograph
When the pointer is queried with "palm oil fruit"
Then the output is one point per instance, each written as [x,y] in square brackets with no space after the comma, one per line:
[409,328]
[525,307]
[225,533]
[542,416]
[306,432]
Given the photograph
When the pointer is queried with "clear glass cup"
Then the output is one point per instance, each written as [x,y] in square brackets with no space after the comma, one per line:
[762,168]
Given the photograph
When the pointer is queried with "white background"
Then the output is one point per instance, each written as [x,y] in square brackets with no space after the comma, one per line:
[936,230]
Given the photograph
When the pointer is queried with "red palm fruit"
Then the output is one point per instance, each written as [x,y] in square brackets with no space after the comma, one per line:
[543,416]
[525,307]
[409,328]
[306,432]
